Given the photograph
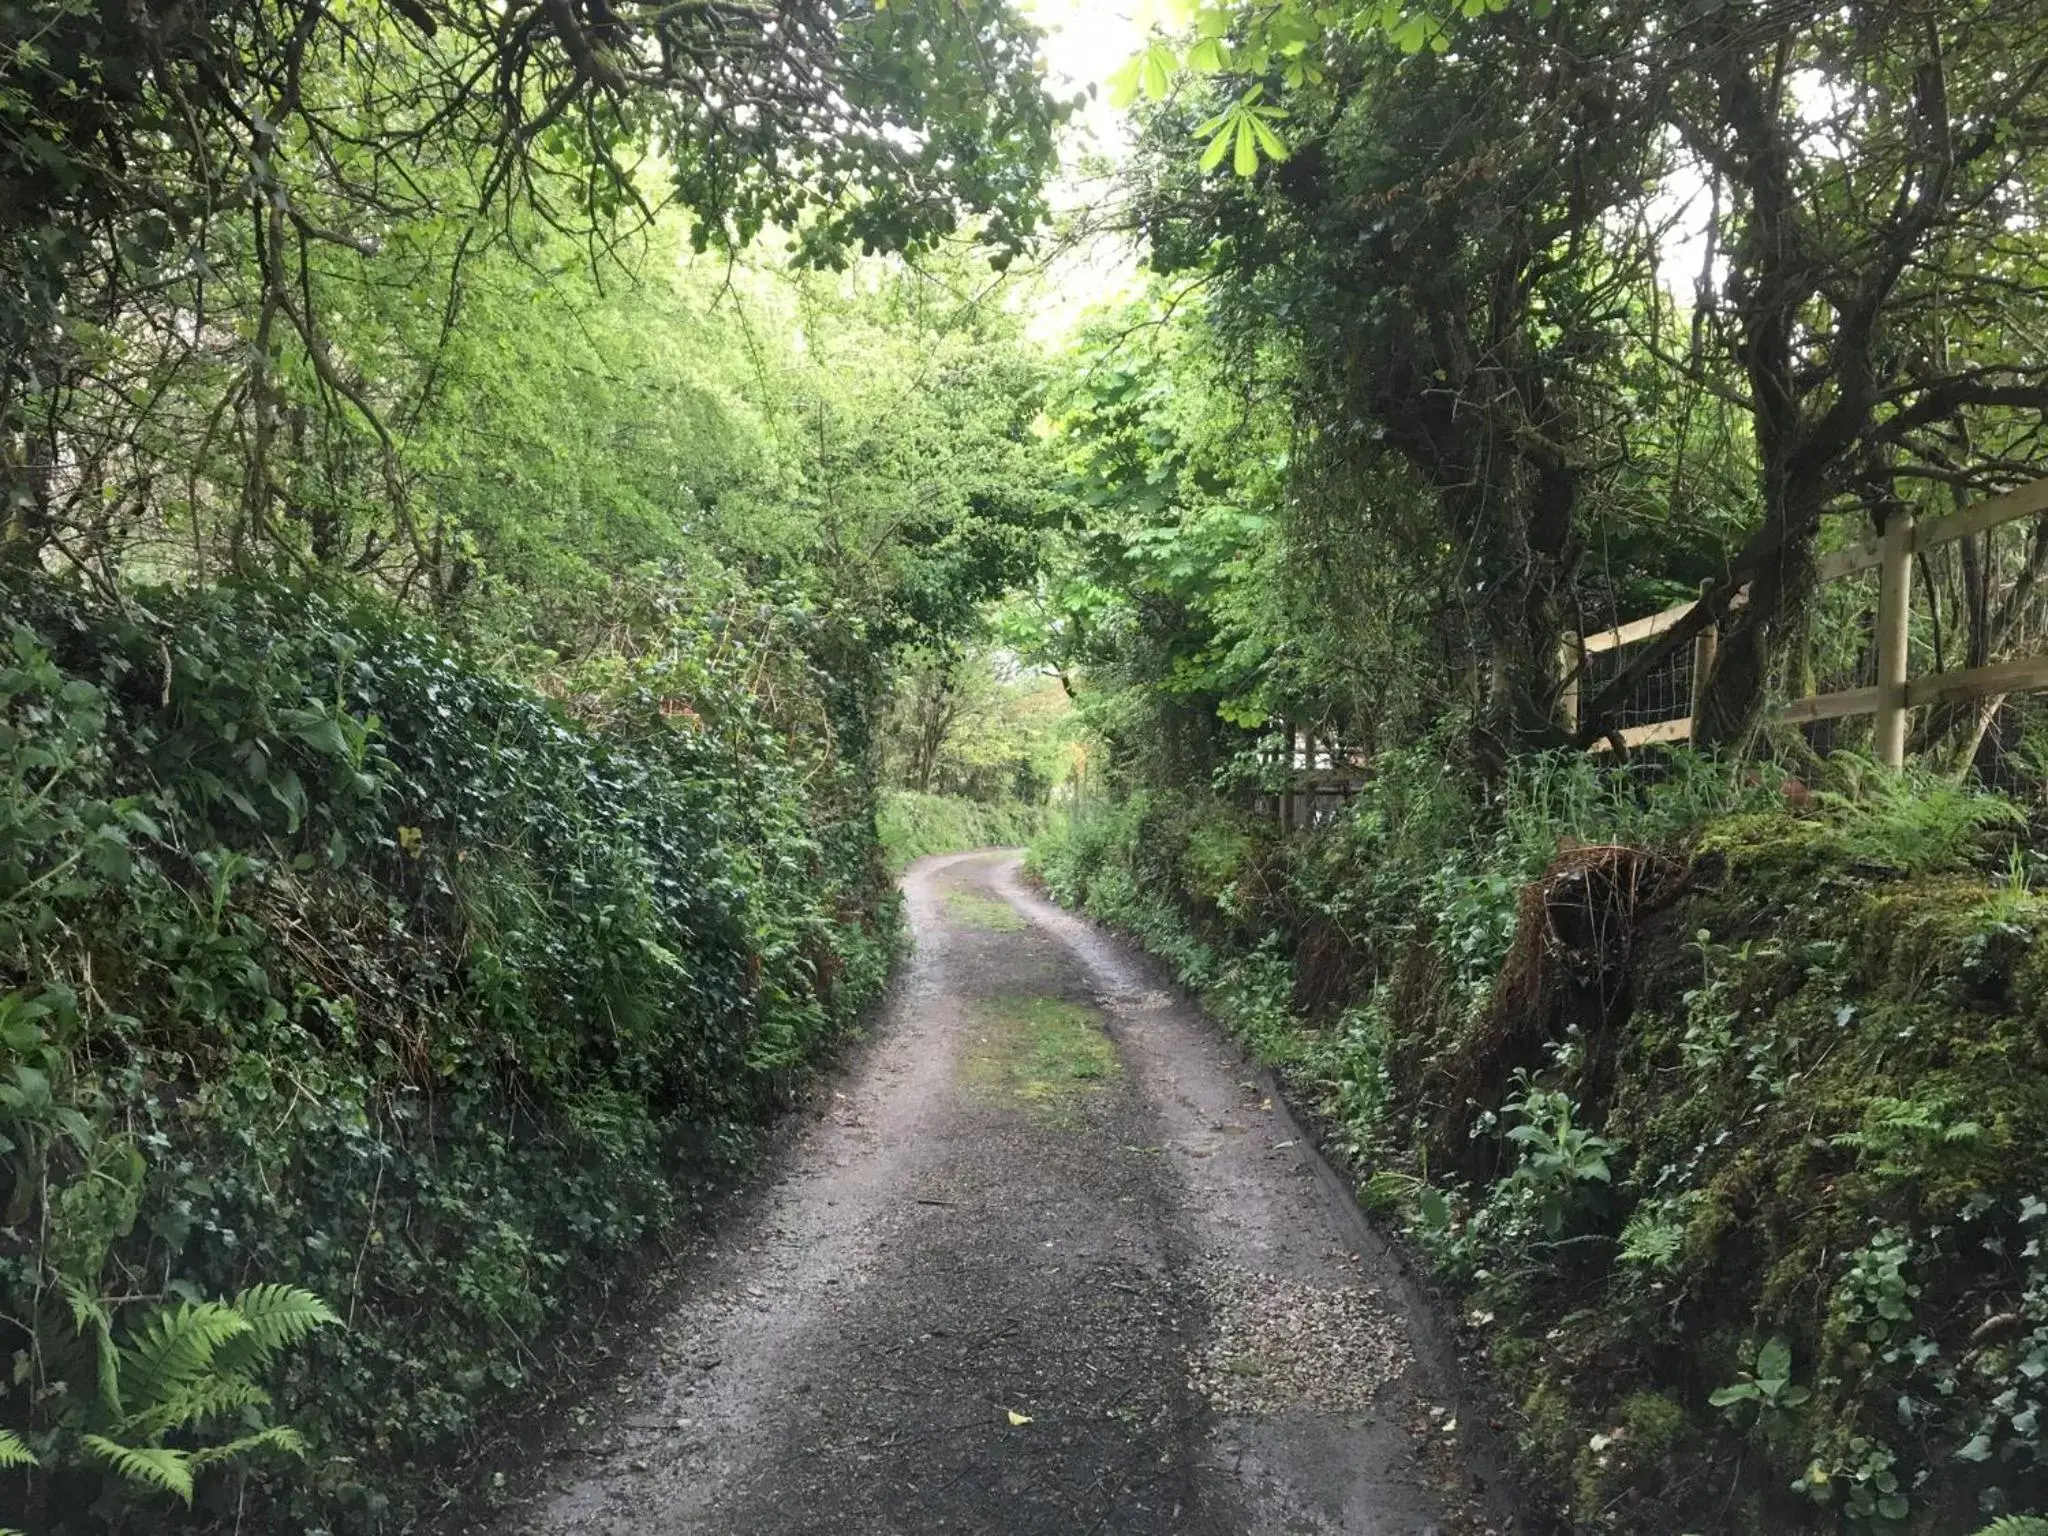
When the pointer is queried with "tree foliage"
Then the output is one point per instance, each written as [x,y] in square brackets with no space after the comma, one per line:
[195,196]
[1458,290]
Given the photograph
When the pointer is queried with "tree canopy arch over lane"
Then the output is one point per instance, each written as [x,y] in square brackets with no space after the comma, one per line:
[172,174]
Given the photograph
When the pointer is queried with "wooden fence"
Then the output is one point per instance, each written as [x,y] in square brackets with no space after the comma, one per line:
[1895,694]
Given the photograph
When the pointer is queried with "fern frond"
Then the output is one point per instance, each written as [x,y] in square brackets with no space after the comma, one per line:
[176,1347]
[2016,1525]
[211,1397]
[87,1310]
[153,1466]
[14,1452]
[278,1317]
[278,1437]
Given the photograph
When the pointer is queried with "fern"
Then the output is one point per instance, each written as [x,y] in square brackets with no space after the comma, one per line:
[176,1347]
[14,1452]
[184,1367]
[2016,1525]
[278,1316]
[89,1315]
[278,1437]
[210,1398]
[154,1466]
[1652,1240]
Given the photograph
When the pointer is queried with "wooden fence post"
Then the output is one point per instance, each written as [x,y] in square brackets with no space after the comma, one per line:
[1704,649]
[1894,611]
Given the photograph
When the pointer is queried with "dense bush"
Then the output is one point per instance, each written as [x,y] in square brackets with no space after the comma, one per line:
[912,824]
[1723,1095]
[328,960]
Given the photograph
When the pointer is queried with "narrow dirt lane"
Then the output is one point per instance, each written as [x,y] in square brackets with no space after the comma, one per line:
[1056,1261]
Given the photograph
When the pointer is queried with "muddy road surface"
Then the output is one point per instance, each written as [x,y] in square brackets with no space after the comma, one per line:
[1054,1259]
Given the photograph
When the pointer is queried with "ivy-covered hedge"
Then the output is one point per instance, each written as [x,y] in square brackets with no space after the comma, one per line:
[1722,1095]
[913,824]
[329,960]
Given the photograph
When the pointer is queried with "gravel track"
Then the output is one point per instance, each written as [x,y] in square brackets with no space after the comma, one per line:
[1054,1259]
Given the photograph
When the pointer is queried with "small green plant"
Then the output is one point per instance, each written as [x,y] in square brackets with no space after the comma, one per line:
[1860,1474]
[1915,821]
[1769,1388]
[185,1369]
[1875,1299]
[1654,1234]
[1560,1162]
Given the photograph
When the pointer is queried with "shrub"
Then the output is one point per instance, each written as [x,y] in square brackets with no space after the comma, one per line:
[329,961]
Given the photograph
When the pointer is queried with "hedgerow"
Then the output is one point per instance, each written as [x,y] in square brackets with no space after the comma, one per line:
[337,971]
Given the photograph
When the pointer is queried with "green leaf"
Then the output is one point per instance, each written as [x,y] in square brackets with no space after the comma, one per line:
[277,1437]
[280,1315]
[1155,72]
[152,1466]
[175,1348]
[14,1452]
[1123,84]
[1219,146]
[1774,1361]
[1245,155]
[1274,147]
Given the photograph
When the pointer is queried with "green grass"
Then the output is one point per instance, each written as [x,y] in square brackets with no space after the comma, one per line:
[1046,1056]
[970,909]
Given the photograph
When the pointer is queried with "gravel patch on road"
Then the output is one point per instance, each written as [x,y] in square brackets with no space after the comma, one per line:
[1277,1344]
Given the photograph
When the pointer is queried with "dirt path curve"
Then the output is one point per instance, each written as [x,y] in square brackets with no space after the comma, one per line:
[1054,1262]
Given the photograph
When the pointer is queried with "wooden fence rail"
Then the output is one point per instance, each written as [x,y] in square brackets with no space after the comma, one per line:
[1895,694]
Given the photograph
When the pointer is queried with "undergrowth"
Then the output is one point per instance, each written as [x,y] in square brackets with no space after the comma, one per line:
[360,1012]
[912,824]
[1721,1095]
